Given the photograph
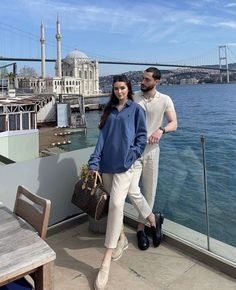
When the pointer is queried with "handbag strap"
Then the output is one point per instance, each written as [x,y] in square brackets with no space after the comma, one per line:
[96,176]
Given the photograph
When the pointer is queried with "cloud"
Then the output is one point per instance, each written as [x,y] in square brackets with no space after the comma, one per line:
[124,23]
[230,5]
[120,17]
[230,24]
[195,21]
[174,41]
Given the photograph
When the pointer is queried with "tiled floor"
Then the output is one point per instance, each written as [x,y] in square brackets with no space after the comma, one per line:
[79,253]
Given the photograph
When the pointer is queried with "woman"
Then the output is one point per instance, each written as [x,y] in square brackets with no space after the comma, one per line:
[121,141]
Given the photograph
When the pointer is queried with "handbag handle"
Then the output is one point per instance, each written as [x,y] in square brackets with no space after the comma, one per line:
[97,179]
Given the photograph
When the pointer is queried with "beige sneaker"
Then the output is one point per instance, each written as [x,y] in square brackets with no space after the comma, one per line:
[102,278]
[118,251]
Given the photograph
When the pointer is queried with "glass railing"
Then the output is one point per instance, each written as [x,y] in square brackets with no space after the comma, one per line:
[180,192]
[196,192]
[221,185]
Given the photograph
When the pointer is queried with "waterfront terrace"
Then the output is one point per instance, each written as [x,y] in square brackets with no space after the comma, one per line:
[183,261]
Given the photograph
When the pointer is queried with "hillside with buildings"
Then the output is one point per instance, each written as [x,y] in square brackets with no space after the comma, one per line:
[175,77]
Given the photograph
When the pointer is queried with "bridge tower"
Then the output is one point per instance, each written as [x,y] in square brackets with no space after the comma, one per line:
[223,59]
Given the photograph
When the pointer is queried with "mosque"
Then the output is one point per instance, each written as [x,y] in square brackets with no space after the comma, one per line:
[75,74]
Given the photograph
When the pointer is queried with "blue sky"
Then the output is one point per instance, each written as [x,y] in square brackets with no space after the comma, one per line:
[184,32]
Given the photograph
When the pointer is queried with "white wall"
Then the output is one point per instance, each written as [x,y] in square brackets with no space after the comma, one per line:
[52,177]
[20,145]
[47,113]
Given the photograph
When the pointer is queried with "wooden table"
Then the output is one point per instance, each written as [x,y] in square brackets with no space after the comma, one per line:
[23,251]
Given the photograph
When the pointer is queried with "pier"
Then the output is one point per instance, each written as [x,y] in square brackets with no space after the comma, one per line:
[87,107]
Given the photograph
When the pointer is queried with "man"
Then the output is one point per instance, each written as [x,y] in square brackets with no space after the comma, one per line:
[159,108]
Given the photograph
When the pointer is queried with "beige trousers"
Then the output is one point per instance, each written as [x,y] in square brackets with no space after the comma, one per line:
[146,168]
[118,186]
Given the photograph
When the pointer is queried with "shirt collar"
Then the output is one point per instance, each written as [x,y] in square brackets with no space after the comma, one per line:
[157,95]
[128,103]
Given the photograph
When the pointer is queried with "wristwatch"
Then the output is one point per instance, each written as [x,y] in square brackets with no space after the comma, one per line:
[163,129]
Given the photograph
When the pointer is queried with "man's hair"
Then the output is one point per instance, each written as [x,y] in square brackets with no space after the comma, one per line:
[155,72]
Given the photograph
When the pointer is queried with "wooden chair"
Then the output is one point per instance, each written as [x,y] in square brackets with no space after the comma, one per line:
[35,210]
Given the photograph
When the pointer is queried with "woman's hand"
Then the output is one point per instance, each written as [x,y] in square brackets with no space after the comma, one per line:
[91,171]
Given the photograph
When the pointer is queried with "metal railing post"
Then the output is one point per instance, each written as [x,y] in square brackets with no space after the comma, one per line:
[203,142]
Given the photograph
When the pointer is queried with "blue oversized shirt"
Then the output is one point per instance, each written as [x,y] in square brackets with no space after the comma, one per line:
[121,140]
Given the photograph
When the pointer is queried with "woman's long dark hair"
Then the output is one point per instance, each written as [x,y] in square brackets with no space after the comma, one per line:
[113,99]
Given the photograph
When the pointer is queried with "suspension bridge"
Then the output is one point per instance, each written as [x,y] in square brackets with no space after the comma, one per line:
[19,59]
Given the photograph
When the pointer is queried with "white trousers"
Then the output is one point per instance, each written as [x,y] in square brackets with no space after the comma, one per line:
[145,168]
[118,186]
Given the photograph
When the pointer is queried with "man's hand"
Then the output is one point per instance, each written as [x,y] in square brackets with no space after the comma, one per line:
[155,137]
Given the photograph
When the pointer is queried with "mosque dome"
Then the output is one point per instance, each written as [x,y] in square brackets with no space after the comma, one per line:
[77,54]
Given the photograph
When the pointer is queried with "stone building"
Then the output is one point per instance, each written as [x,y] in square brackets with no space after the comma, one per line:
[75,74]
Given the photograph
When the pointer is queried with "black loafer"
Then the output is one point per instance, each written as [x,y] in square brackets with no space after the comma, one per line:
[156,231]
[143,241]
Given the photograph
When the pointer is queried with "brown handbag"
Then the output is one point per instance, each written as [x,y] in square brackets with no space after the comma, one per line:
[90,196]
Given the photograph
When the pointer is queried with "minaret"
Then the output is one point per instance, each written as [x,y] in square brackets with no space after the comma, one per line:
[58,38]
[42,40]
[96,77]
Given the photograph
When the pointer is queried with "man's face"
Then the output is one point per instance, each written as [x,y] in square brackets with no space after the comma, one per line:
[148,82]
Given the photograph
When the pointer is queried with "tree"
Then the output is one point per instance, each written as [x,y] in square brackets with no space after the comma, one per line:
[27,71]
[11,77]
[3,72]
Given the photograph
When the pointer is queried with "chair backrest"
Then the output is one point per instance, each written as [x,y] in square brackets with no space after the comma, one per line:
[33,209]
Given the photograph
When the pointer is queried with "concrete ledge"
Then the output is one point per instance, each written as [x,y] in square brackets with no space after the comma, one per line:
[67,223]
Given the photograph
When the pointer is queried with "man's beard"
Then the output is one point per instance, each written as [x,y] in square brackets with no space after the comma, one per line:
[145,88]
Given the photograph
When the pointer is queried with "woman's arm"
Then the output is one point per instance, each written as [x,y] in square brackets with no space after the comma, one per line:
[93,163]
